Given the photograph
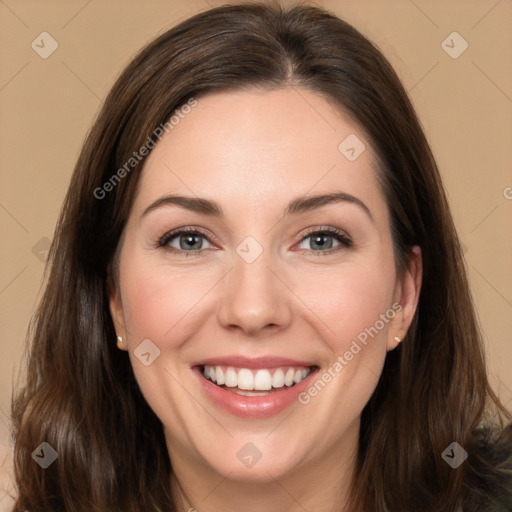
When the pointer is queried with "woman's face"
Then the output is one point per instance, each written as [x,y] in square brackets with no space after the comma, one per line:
[271,288]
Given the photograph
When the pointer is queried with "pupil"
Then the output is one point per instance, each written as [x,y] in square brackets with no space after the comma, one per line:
[319,241]
[190,239]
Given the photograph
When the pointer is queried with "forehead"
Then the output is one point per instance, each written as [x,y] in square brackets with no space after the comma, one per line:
[258,148]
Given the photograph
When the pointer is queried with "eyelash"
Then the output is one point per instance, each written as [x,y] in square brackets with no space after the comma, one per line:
[340,236]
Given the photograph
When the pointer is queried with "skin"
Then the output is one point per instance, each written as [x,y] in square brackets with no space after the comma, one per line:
[253,152]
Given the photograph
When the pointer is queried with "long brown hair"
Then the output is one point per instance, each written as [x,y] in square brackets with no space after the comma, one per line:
[81,396]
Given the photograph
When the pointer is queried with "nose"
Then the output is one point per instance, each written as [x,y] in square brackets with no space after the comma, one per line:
[255,297]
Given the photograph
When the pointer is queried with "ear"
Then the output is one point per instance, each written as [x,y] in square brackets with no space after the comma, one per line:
[116,308]
[407,293]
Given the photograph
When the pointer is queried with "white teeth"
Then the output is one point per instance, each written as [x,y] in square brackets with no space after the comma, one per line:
[230,378]
[219,376]
[260,380]
[245,379]
[278,379]
[288,378]
[249,393]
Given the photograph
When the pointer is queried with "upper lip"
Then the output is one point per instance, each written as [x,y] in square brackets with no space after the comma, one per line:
[252,362]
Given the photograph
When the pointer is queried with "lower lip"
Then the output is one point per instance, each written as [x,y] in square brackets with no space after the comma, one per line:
[253,406]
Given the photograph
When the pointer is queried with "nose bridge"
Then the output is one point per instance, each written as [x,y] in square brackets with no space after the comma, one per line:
[253,297]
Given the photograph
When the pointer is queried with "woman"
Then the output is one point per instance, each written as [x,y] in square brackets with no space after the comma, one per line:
[256,373]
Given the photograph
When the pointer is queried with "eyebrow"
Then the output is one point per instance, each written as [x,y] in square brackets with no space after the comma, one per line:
[298,205]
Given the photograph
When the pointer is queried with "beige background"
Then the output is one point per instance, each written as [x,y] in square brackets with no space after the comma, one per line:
[47,106]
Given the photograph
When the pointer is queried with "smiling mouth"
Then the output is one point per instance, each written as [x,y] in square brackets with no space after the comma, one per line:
[255,382]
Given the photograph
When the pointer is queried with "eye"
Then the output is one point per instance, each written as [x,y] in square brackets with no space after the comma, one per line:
[322,240]
[186,239]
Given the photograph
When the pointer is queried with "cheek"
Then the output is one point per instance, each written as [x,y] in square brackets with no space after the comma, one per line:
[350,307]
[349,300]
[353,311]
[156,301]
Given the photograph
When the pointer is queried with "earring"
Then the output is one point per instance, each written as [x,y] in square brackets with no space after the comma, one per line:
[120,342]
[397,339]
